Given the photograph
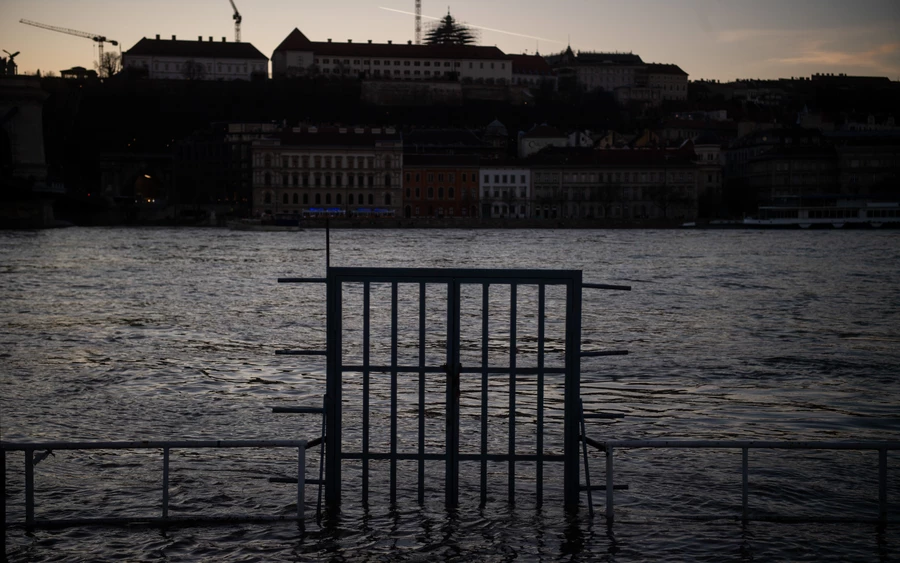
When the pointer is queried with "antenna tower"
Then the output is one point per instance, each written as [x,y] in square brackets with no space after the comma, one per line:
[418,22]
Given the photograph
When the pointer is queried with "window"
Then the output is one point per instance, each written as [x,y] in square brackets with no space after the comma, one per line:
[417,177]
[405,63]
[408,193]
[296,198]
[295,180]
[428,63]
[387,180]
[387,199]
[327,199]
[268,197]
[487,179]
[371,199]
[464,177]
[318,199]
[418,193]
[408,176]
[450,194]
[377,63]
[337,199]
[450,177]
[430,192]
[305,199]
[522,179]
[430,177]
[440,193]
[417,63]
[284,198]
[268,179]
[440,177]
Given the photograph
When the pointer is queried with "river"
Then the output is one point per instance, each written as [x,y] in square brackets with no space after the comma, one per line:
[157,333]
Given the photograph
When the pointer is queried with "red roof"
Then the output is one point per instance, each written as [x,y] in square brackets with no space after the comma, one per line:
[296,41]
[659,68]
[530,64]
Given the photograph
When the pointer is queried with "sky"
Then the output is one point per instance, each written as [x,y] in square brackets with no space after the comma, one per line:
[708,39]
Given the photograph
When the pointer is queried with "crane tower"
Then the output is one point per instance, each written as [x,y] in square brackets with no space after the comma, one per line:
[237,23]
[418,22]
[98,39]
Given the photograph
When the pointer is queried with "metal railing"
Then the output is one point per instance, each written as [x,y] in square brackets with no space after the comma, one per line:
[35,452]
[609,447]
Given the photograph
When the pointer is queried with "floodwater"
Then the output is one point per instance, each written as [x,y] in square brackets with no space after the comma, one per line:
[134,334]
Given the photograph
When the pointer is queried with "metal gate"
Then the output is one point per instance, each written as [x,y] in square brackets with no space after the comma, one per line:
[465,298]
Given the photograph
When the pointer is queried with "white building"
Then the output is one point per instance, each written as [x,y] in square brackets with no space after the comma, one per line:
[539,138]
[505,192]
[177,59]
[298,56]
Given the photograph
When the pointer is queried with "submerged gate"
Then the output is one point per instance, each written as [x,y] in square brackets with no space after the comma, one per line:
[407,362]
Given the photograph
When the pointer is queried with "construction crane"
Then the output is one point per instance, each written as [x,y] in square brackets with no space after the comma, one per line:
[418,22]
[99,39]
[237,23]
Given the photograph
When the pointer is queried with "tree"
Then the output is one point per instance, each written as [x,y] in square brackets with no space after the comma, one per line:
[448,31]
[109,64]
[192,70]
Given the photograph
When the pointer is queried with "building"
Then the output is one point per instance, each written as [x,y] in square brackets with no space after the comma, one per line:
[581,183]
[298,56]
[440,186]
[335,171]
[624,74]
[532,71]
[505,191]
[799,164]
[177,59]
[540,137]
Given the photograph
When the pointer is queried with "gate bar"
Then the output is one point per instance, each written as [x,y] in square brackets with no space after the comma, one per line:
[393,476]
[365,406]
[540,399]
[513,294]
[485,306]
[572,396]
[422,294]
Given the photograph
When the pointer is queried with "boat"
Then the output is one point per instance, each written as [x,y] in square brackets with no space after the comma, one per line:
[839,215]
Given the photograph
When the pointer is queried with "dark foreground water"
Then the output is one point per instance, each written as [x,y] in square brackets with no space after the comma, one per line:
[126,334]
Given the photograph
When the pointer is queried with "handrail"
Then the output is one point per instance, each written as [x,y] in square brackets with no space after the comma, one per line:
[165,445]
[882,447]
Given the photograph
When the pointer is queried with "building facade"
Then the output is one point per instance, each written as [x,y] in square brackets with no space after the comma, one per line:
[615,184]
[440,186]
[313,172]
[506,192]
[178,59]
[298,56]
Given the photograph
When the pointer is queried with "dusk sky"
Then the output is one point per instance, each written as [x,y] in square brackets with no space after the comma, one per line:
[714,39]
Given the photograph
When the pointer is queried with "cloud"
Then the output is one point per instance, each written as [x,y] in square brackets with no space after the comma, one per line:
[873,58]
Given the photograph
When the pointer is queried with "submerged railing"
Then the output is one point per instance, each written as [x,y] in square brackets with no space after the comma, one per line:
[35,452]
[610,446]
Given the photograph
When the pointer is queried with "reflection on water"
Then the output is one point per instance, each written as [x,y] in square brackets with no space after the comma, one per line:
[119,334]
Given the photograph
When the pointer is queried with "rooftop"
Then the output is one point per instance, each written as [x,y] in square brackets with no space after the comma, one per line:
[199,49]
[297,41]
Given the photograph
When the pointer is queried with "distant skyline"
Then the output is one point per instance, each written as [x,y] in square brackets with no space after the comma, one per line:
[708,39]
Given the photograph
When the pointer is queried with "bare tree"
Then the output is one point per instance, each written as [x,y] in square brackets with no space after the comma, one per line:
[192,70]
[109,64]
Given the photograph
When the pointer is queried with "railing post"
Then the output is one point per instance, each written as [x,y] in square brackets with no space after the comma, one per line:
[29,487]
[744,482]
[301,482]
[3,492]
[165,485]
[882,485]
[609,485]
